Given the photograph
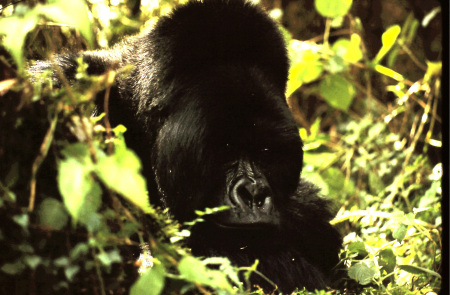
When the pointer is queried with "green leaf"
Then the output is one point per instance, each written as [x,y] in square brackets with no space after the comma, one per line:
[108,258]
[22,220]
[409,219]
[348,50]
[14,39]
[317,179]
[80,193]
[400,232]
[62,262]
[333,8]
[13,268]
[387,260]
[193,270]
[319,160]
[32,261]
[433,69]
[361,273]
[73,13]
[52,214]
[418,270]
[121,173]
[388,40]
[80,250]
[358,247]
[337,91]
[70,271]
[150,283]
[305,65]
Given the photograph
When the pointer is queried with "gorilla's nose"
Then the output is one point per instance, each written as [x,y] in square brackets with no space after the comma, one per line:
[252,194]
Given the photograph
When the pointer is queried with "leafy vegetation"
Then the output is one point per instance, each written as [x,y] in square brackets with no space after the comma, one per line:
[74,211]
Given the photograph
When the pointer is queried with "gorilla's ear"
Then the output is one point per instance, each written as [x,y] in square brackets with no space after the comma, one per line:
[98,62]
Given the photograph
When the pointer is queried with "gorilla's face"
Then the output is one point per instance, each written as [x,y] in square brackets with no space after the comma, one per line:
[230,140]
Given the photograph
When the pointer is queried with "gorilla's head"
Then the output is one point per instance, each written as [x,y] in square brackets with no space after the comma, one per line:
[230,140]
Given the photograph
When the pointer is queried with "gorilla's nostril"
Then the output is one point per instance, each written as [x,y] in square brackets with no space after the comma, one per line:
[260,201]
[245,195]
[248,193]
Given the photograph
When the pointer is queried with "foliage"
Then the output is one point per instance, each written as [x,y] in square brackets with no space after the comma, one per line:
[74,211]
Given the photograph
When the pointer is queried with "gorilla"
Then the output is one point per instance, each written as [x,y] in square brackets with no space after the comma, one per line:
[205,109]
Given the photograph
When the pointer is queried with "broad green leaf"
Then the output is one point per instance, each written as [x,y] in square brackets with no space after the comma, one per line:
[361,273]
[400,232]
[121,173]
[305,64]
[358,247]
[80,193]
[418,270]
[348,50]
[52,214]
[334,8]
[73,12]
[388,40]
[194,270]
[337,91]
[150,283]
[387,260]
[15,29]
[80,152]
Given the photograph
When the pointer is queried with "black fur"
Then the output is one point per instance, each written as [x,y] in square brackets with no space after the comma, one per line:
[205,107]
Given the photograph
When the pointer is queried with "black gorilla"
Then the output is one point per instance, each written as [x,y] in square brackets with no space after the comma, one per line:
[206,112]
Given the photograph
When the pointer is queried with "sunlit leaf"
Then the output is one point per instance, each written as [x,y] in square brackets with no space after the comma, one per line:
[150,283]
[361,273]
[358,247]
[337,91]
[121,173]
[73,12]
[194,270]
[305,65]
[348,50]
[14,39]
[387,260]
[400,232]
[388,40]
[79,190]
[333,8]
